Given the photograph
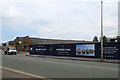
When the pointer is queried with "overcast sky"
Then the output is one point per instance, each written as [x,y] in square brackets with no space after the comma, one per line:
[57,19]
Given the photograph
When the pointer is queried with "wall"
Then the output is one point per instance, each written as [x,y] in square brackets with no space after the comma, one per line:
[22,44]
[111,50]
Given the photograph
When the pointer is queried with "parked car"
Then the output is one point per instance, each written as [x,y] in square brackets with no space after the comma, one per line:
[10,51]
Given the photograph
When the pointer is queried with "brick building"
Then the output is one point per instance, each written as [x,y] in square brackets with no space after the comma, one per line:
[11,43]
[22,43]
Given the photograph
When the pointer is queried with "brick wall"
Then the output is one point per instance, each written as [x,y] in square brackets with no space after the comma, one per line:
[23,43]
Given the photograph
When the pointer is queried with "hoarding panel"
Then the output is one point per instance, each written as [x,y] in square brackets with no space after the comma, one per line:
[111,50]
[64,49]
[39,49]
[85,49]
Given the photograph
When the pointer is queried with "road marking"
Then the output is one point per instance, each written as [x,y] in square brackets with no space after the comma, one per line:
[21,72]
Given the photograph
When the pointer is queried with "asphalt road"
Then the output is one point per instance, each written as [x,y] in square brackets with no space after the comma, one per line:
[59,68]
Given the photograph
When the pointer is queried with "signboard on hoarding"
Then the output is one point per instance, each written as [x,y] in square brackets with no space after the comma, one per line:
[64,49]
[111,50]
[85,49]
[39,49]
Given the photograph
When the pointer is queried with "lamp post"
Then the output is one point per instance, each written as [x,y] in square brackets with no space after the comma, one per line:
[101,30]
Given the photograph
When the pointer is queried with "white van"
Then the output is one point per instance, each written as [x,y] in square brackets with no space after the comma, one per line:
[11,51]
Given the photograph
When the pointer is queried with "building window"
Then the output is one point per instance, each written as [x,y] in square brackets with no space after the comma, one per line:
[24,42]
[20,42]
[17,43]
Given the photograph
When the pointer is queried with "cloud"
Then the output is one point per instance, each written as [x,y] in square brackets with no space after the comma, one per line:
[63,19]
[119,18]
[111,19]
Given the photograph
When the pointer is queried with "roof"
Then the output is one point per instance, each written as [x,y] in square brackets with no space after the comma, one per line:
[55,41]
[11,42]
[20,38]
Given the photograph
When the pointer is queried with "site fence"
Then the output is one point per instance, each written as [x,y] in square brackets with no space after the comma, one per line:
[111,50]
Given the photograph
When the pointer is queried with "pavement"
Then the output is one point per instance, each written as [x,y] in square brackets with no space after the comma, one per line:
[12,74]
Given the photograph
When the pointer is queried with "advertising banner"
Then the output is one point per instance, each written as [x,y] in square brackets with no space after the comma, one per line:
[85,49]
[64,49]
[39,49]
[111,50]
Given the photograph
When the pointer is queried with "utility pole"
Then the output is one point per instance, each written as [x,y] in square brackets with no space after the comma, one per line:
[101,30]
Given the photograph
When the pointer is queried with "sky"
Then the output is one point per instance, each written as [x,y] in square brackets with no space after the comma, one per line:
[85,46]
[119,18]
[57,19]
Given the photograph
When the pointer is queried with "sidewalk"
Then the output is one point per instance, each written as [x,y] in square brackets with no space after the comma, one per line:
[12,75]
[76,58]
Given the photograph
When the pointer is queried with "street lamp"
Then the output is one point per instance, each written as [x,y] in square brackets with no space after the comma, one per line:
[101,30]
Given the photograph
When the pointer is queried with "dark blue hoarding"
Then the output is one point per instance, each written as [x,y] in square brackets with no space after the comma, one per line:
[40,49]
[55,49]
[64,49]
[111,50]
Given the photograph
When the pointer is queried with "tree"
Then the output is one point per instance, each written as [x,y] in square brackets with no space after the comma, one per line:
[95,39]
[104,39]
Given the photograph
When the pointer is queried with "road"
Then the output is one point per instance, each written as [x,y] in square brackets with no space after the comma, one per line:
[59,68]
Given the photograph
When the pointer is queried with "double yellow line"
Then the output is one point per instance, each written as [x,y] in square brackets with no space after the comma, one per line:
[21,72]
